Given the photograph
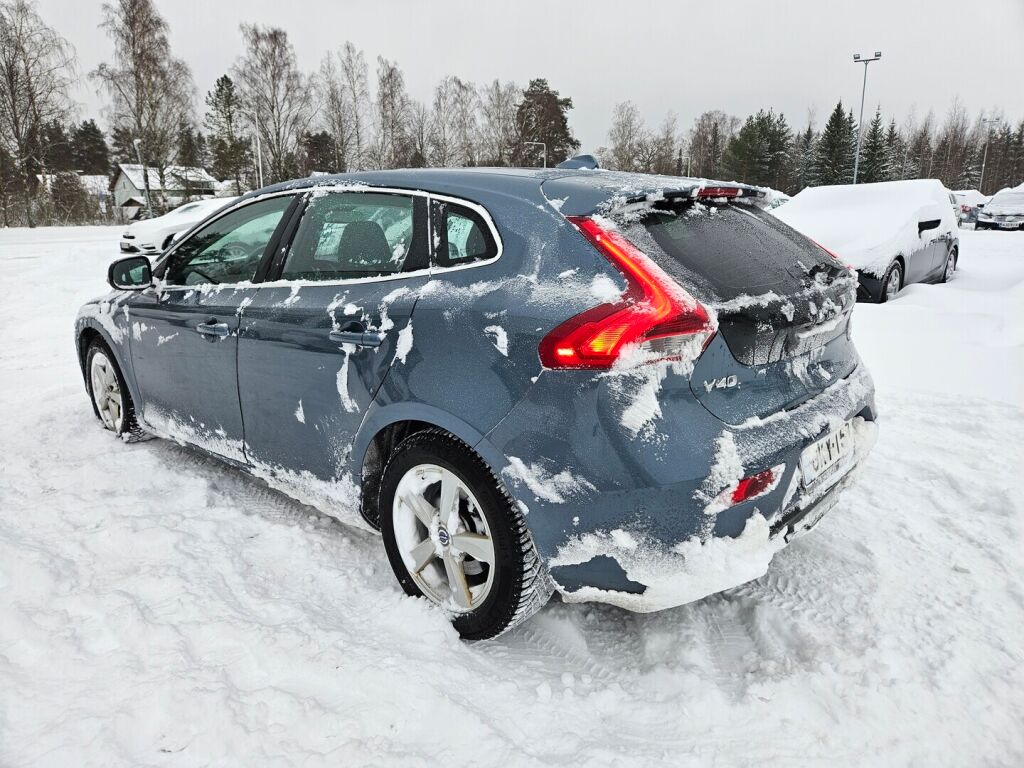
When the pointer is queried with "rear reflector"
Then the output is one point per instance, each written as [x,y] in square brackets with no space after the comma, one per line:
[653,313]
[750,488]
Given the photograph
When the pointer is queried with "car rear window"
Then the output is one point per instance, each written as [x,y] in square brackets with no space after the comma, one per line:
[724,251]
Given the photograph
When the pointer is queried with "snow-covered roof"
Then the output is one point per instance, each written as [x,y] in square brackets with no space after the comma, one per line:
[867,225]
[176,176]
[1007,200]
[970,196]
[94,184]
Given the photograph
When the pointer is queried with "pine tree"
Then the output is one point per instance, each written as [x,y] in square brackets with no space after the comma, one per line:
[229,149]
[89,151]
[803,162]
[55,154]
[318,153]
[746,154]
[543,116]
[895,152]
[873,155]
[833,157]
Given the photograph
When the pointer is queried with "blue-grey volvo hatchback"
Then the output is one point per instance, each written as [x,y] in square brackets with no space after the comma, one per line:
[624,388]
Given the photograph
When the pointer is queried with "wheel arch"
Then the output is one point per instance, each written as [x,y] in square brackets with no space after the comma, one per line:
[87,331]
[384,427]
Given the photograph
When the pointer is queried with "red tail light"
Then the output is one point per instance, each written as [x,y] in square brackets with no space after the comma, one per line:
[653,308]
[715,192]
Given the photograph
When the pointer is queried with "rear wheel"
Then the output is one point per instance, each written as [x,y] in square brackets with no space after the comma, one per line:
[454,536]
[950,267]
[111,401]
[891,282]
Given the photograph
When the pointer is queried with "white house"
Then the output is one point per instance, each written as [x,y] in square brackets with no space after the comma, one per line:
[180,184]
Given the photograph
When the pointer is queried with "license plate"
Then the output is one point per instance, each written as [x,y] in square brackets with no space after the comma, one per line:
[1009,225]
[824,454]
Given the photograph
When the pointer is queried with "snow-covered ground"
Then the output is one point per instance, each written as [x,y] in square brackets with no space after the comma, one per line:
[157,608]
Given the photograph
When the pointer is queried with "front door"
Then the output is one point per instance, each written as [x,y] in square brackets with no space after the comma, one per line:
[184,333]
[317,342]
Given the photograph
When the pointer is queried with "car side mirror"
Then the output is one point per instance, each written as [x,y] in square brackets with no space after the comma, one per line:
[131,274]
[924,226]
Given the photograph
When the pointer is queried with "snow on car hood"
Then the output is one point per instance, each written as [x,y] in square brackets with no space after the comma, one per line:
[1007,201]
[867,225]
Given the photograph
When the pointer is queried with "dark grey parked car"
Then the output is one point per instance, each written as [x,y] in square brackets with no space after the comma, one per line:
[626,388]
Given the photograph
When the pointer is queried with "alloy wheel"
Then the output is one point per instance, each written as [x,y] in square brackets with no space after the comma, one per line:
[106,392]
[893,286]
[444,538]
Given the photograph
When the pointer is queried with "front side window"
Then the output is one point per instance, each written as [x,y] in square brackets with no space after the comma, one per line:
[229,249]
[350,235]
[461,235]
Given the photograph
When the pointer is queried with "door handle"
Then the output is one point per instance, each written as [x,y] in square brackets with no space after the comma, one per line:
[355,333]
[213,328]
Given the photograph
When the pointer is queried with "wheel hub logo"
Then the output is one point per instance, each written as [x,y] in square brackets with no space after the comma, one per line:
[444,537]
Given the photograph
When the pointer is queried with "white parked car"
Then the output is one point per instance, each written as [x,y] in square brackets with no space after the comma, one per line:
[152,236]
[1004,211]
[893,233]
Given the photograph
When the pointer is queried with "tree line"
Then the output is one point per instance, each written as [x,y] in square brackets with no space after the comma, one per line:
[763,149]
[266,120]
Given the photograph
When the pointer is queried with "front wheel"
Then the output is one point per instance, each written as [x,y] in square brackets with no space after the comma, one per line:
[111,401]
[454,536]
[891,282]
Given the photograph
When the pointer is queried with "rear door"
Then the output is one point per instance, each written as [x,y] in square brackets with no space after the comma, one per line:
[184,335]
[318,339]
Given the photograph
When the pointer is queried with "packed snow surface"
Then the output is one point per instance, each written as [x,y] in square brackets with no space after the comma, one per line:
[868,225]
[158,608]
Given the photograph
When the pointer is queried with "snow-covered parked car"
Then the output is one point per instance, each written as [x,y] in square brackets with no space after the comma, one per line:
[968,201]
[152,236]
[1004,211]
[630,389]
[893,233]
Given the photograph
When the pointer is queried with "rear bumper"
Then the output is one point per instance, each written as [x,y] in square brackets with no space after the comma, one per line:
[614,530]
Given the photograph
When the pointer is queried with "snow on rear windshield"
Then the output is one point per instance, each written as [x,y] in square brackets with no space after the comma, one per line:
[724,251]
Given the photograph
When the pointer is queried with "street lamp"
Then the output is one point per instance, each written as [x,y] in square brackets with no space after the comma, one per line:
[145,175]
[254,116]
[865,60]
[543,149]
[984,157]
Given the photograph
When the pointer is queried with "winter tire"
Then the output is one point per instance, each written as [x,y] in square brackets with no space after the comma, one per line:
[950,266]
[892,282]
[111,400]
[454,535]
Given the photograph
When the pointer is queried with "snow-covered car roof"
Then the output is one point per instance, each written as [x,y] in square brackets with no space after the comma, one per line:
[867,225]
[970,196]
[1008,200]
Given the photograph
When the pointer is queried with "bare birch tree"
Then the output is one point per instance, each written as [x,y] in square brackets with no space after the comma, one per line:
[498,104]
[277,96]
[151,91]
[357,94]
[336,110]
[391,118]
[36,70]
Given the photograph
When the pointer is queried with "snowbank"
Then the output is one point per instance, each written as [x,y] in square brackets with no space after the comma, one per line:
[868,225]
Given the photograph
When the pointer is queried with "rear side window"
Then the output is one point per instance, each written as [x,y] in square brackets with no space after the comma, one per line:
[349,235]
[728,250]
[461,236]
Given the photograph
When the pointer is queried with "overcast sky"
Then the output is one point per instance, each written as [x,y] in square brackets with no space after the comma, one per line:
[736,55]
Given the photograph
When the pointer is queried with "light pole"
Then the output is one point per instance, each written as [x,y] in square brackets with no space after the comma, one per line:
[543,149]
[145,175]
[984,156]
[858,59]
[259,147]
